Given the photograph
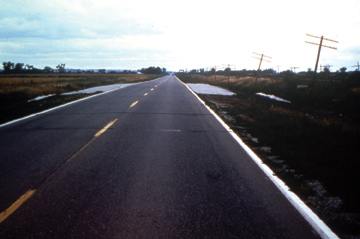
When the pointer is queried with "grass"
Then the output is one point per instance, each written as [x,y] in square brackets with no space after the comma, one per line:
[17,89]
[42,84]
[314,141]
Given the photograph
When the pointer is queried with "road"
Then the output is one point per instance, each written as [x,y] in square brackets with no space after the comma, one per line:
[147,161]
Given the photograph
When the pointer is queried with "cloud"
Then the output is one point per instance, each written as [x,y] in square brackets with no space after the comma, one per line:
[65,19]
[177,34]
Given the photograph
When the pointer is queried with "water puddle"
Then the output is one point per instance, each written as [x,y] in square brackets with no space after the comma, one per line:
[273,97]
[41,97]
[209,89]
[96,89]
[91,90]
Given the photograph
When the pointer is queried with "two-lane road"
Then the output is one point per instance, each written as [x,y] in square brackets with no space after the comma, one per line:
[147,161]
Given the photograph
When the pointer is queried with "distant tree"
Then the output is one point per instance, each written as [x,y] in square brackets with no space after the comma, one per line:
[60,68]
[213,70]
[19,67]
[8,66]
[227,69]
[152,70]
[193,71]
[268,71]
[48,69]
[29,67]
[326,70]
[164,70]
[202,70]
[343,69]
[309,73]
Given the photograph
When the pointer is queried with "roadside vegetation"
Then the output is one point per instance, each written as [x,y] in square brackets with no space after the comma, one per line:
[312,143]
[18,87]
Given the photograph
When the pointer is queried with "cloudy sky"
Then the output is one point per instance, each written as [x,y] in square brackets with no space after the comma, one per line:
[177,34]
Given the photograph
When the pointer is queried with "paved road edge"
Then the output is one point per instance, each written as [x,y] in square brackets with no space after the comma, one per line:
[317,224]
[63,105]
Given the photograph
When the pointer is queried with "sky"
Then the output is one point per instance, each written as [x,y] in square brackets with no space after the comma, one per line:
[178,34]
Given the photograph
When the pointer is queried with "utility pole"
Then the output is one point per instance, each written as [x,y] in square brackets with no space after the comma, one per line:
[215,72]
[293,68]
[228,67]
[320,44]
[261,57]
[357,66]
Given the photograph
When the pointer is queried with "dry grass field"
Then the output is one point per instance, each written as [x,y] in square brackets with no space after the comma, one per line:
[16,90]
[43,84]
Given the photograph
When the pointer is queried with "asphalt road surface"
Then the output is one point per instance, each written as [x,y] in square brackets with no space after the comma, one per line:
[147,161]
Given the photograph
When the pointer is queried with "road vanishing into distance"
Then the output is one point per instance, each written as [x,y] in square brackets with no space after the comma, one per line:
[146,161]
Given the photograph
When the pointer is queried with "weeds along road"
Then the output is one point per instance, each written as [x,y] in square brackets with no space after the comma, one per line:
[147,161]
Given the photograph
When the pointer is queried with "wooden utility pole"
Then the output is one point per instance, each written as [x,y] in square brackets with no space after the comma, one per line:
[228,67]
[278,69]
[215,72]
[357,66]
[261,57]
[320,45]
[293,68]
[318,54]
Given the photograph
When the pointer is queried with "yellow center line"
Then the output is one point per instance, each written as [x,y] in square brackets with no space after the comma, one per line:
[103,130]
[133,104]
[146,94]
[28,194]
[13,207]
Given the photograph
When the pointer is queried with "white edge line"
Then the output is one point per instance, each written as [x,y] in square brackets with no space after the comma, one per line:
[317,224]
[66,104]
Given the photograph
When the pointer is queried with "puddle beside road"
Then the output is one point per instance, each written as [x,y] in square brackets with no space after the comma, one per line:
[91,90]
[103,88]
[209,89]
[273,97]
[41,97]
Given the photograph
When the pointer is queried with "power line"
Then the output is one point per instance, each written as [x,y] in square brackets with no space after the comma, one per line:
[322,67]
[261,57]
[293,68]
[278,68]
[357,66]
[320,44]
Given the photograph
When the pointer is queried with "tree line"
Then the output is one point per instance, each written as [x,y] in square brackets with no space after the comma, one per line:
[11,67]
[153,70]
[341,75]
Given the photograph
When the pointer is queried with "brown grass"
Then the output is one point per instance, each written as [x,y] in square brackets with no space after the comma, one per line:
[234,80]
[42,84]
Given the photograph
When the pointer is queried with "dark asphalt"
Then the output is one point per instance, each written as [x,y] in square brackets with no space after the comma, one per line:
[165,169]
